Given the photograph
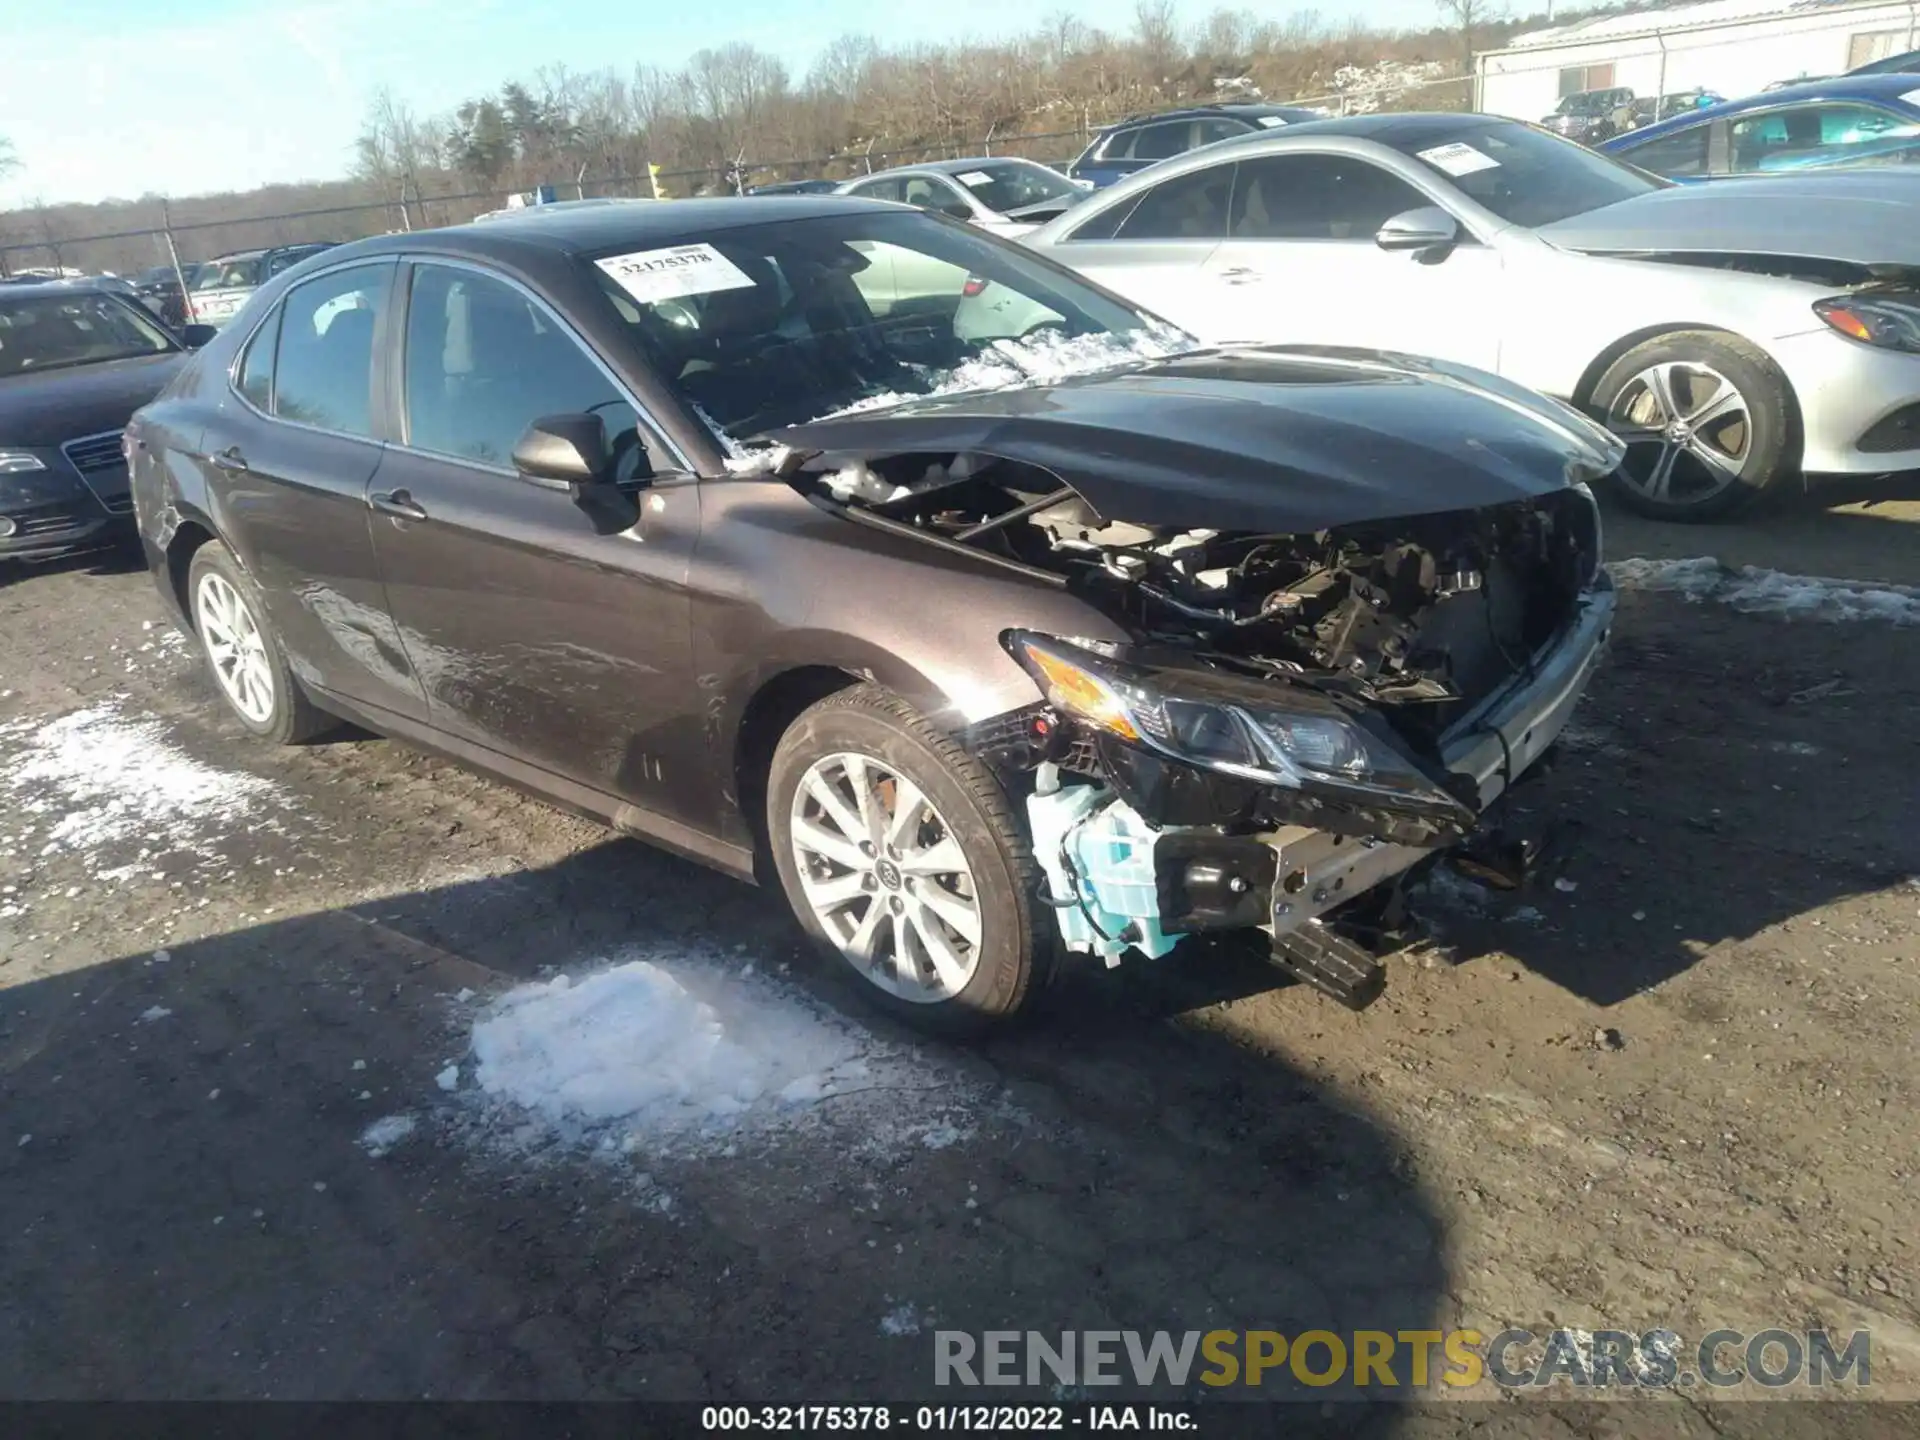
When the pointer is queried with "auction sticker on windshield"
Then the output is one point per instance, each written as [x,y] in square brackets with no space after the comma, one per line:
[976,177]
[1458,159]
[679,270]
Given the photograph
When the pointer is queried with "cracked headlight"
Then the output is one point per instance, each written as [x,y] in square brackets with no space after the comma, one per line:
[1255,731]
[1890,321]
[15,462]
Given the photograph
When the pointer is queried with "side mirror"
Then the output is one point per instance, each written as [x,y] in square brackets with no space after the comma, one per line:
[572,451]
[957,209]
[195,336]
[569,450]
[1427,228]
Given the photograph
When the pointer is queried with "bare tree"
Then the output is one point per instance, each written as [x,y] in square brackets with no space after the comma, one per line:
[1156,35]
[9,162]
[1467,18]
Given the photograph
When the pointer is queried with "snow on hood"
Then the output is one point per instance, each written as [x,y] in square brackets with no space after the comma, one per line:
[1044,358]
[1856,217]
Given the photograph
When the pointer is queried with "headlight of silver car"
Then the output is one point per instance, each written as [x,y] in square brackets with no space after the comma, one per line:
[1890,320]
[15,462]
[1287,738]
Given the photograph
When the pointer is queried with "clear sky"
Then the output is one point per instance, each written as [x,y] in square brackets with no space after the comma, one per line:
[181,97]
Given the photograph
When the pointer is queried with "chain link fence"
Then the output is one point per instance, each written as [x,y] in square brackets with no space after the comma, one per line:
[31,241]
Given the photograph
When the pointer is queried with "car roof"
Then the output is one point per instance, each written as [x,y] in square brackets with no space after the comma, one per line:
[1400,129]
[49,285]
[1247,109]
[1884,89]
[236,255]
[604,229]
[950,167]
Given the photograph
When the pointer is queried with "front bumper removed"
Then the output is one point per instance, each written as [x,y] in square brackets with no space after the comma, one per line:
[1116,883]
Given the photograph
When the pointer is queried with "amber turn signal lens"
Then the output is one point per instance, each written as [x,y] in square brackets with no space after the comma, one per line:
[1846,322]
[1079,694]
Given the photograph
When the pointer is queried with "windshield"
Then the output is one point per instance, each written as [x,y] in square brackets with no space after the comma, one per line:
[1006,185]
[241,274]
[778,324]
[50,332]
[1587,102]
[1527,176]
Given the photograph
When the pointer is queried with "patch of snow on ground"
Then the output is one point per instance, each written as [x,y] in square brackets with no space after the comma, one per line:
[96,780]
[1755,591]
[901,1320]
[1045,358]
[687,1057]
[385,1133]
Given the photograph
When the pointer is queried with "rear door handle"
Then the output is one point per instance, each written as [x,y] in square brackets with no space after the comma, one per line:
[229,460]
[397,503]
[1240,275]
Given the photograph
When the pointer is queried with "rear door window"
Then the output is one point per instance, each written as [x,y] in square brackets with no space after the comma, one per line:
[323,362]
[888,189]
[1188,207]
[1164,141]
[1683,153]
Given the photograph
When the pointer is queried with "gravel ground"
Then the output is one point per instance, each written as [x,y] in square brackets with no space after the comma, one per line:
[1669,1083]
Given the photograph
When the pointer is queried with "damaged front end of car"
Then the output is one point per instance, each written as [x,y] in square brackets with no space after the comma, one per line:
[1298,716]
[1264,769]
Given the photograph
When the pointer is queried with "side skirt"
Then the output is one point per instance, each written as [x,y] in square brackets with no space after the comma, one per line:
[543,785]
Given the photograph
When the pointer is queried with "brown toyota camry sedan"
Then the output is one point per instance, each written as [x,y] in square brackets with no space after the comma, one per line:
[844,546]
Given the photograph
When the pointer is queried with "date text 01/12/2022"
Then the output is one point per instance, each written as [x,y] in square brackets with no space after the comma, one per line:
[987,1419]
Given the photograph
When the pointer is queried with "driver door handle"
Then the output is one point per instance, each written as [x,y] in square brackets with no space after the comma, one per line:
[229,460]
[1240,275]
[397,503]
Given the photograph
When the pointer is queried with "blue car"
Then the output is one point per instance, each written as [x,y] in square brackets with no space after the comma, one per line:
[1847,121]
[1139,140]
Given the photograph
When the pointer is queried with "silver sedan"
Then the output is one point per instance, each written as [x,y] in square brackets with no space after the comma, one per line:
[1734,335]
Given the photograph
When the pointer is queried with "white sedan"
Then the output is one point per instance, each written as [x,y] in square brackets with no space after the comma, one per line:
[1734,334]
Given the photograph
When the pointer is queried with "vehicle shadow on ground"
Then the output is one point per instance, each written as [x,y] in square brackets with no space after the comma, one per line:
[196,1217]
[1807,530]
[122,559]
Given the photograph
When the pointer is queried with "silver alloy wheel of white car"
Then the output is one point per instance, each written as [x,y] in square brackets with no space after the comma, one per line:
[1682,421]
[886,878]
[235,646]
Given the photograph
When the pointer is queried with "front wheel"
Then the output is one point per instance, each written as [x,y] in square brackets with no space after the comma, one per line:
[902,859]
[1708,423]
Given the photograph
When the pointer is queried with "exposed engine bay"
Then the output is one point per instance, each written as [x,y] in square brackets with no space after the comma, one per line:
[1419,614]
[1283,733]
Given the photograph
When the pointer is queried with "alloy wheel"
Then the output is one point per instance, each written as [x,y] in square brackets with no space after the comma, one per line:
[1688,432]
[886,878]
[235,646]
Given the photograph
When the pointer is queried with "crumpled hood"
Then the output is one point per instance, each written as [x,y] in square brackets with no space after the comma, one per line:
[1861,217]
[1283,439]
[53,406]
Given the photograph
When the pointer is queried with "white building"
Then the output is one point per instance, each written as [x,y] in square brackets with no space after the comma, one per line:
[1735,47]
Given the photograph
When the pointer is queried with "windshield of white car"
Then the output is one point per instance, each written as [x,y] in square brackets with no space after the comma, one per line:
[54,332]
[773,325]
[1527,176]
[239,274]
[1007,185]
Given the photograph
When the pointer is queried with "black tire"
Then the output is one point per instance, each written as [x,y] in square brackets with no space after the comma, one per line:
[1014,956]
[292,718]
[1769,451]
